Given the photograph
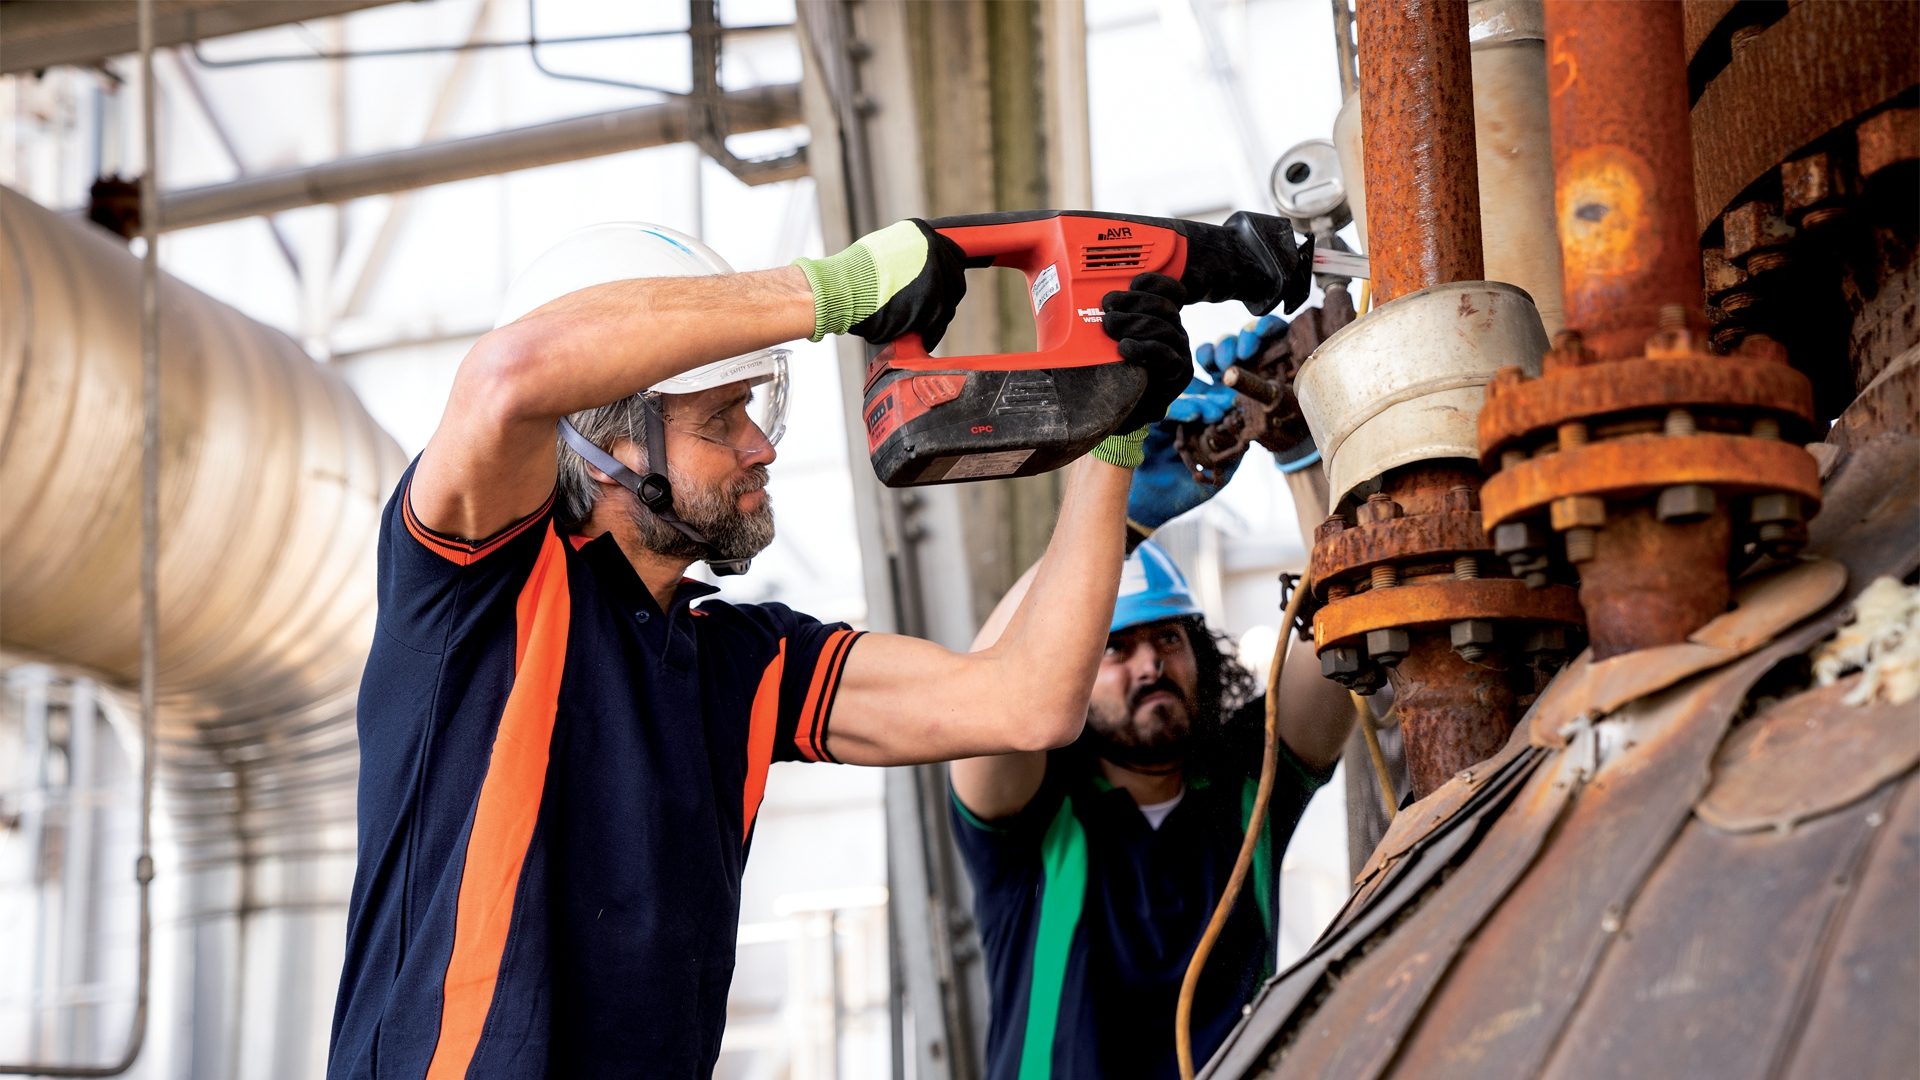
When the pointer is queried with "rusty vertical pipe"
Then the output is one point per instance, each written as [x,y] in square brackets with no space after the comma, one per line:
[1624,203]
[1423,179]
[1453,713]
[1623,168]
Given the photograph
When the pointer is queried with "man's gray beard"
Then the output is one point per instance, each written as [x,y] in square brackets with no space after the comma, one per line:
[716,513]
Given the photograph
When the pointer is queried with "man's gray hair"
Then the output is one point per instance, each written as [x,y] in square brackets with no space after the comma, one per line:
[603,427]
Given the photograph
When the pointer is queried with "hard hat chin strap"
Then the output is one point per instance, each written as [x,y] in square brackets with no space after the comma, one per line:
[653,490]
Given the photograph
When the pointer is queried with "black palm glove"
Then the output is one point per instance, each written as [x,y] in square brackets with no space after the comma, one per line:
[903,279]
[1145,320]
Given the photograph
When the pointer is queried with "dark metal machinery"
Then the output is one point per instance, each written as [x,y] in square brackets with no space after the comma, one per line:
[1691,857]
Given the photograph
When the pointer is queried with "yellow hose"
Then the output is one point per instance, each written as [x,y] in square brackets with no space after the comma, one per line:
[1387,795]
[1183,1012]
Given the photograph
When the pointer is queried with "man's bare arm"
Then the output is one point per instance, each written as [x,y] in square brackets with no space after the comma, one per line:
[1316,714]
[491,461]
[1000,785]
[902,700]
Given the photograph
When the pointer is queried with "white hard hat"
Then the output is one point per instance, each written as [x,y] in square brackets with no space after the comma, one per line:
[620,250]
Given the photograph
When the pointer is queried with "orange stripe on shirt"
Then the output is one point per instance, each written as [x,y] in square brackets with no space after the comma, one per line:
[460,551]
[822,664]
[504,818]
[766,716]
[833,689]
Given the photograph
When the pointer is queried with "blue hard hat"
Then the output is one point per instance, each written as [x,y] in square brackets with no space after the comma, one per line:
[1151,589]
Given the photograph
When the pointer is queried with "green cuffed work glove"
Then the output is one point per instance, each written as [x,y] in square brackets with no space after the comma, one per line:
[903,279]
[1123,451]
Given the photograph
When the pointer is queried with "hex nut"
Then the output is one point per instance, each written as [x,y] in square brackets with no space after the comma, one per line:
[1471,632]
[1684,502]
[1330,528]
[1774,506]
[1755,228]
[1577,512]
[1376,509]
[1511,537]
[1340,663]
[1722,277]
[1388,646]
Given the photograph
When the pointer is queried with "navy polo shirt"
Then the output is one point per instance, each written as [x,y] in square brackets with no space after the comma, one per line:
[1088,916]
[558,783]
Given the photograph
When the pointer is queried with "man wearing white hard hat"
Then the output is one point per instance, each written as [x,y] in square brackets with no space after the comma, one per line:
[561,757]
[1096,867]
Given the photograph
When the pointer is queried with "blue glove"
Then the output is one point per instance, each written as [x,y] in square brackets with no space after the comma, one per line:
[1164,487]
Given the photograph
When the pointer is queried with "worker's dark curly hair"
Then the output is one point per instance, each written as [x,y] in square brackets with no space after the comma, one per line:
[1223,738]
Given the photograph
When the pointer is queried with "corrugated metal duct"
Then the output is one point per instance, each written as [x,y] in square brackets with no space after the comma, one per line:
[272,478]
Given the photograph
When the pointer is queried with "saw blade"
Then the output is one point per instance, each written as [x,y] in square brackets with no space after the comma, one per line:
[1349,264]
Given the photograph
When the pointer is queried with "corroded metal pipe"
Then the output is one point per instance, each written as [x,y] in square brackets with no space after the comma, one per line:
[1623,168]
[1423,184]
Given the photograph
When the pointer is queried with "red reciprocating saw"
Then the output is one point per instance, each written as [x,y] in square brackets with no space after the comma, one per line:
[933,420]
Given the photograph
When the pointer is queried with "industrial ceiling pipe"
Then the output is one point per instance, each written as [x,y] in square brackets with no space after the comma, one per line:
[271,482]
[758,109]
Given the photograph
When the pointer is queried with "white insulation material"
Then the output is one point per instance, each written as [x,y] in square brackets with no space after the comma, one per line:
[1883,641]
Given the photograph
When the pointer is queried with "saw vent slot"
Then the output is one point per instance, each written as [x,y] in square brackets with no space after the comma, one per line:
[1113,256]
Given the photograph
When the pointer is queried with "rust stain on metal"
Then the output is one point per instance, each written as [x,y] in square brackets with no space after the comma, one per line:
[1356,1031]
[1353,551]
[1765,606]
[1652,582]
[1887,139]
[1509,994]
[1436,603]
[1423,186]
[1601,200]
[1806,756]
[1813,72]
[1417,822]
[1453,714]
[1696,984]
[1623,167]
[1518,409]
[1637,465]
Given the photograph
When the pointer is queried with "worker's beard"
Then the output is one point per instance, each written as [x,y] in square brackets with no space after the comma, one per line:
[714,510]
[1148,737]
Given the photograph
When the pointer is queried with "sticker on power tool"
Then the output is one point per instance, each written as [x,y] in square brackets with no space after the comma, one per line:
[1045,284]
[979,466]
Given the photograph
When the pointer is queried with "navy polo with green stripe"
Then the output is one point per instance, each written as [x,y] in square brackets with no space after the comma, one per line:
[1088,916]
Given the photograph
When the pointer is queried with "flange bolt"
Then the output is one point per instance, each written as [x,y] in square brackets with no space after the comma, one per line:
[1471,638]
[1389,646]
[1684,502]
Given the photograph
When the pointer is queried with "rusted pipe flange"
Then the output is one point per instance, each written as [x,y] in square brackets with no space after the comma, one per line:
[1640,464]
[1677,427]
[1340,551]
[1524,413]
[1423,604]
